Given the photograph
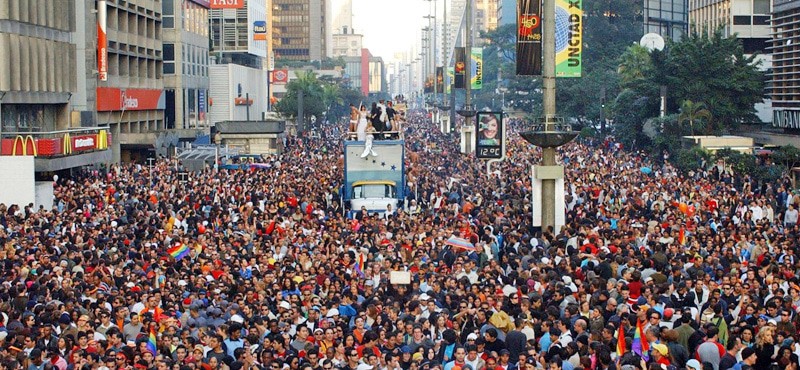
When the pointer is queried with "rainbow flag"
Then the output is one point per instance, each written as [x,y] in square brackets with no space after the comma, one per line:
[151,341]
[178,251]
[359,266]
[640,345]
[621,341]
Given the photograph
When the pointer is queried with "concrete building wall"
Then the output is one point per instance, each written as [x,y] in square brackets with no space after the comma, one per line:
[231,81]
[186,63]
[299,30]
[38,73]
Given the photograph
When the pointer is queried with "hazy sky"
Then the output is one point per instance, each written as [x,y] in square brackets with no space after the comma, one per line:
[390,26]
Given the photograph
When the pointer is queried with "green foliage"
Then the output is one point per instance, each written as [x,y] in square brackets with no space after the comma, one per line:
[320,95]
[588,132]
[788,156]
[693,114]
[691,159]
[630,111]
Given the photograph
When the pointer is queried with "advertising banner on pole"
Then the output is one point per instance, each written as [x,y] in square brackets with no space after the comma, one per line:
[529,38]
[440,80]
[102,41]
[569,38]
[477,68]
[489,138]
[460,68]
[451,73]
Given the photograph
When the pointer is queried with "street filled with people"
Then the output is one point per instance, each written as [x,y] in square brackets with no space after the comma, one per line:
[142,267]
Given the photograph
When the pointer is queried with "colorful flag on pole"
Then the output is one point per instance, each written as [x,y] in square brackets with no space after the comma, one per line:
[621,341]
[151,341]
[178,251]
[640,345]
[682,236]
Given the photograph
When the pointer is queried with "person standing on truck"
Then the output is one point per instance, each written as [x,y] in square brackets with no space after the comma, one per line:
[375,117]
[368,142]
[353,118]
[391,115]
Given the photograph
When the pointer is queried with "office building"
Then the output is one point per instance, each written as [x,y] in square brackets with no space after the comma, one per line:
[185,51]
[347,45]
[785,77]
[299,29]
[48,81]
[748,19]
[668,18]
[131,100]
[39,73]
[340,14]
[239,36]
[506,12]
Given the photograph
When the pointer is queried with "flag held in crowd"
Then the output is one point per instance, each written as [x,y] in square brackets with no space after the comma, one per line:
[640,345]
[178,251]
[462,243]
[151,341]
[621,341]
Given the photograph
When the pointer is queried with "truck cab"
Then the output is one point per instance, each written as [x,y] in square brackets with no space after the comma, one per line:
[373,182]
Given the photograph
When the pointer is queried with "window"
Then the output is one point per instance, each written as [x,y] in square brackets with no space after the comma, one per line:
[741,20]
[169,59]
[761,20]
[761,7]
[168,14]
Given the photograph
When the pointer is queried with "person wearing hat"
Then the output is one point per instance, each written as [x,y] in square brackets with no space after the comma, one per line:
[693,365]
[749,358]
[660,354]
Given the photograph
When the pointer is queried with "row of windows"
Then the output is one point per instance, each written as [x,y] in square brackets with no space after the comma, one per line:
[290,19]
[194,60]
[757,20]
[127,22]
[290,52]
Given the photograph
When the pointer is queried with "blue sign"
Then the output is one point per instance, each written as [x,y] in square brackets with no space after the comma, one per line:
[260,27]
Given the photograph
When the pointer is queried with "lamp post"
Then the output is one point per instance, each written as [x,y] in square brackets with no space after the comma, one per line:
[551,131]
[468,111]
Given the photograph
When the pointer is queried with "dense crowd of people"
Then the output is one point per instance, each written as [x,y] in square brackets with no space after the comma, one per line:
[138,267]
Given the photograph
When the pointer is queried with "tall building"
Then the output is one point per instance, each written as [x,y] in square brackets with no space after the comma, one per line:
[486,15]
[131,101]
[233,34]
[346,45]
[185,50]
[749,20]
[668,18]
[340,14]
[785,91]
[39,72]
[506,12]
[299,29]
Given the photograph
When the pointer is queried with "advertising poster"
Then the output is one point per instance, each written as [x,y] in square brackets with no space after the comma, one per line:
[529,38]
[569,36]
[489,138]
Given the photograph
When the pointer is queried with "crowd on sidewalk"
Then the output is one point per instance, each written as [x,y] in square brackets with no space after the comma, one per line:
[138,267]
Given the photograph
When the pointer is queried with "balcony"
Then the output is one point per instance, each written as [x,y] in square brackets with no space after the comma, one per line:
[59,150]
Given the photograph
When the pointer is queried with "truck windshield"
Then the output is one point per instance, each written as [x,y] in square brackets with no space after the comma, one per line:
[373,191]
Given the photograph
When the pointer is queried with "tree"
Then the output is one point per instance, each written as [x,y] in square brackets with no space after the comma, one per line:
[313,96]
[691,112]
[712,68]
[635,65]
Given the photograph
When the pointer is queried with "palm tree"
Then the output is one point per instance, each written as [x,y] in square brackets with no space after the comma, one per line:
[691,112]
[634,64]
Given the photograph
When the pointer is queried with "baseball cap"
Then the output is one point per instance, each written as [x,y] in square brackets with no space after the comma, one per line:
[694,364]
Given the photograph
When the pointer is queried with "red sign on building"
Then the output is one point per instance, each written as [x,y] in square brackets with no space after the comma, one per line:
[114,99]
[227,4]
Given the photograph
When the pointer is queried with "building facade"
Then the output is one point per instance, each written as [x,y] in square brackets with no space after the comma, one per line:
[236,34]
[668,18]
[39,71]
[785,77]
[299,29]
[131,100]
[186,59]
[347,45]
[340,14]
[749,20]
[506,12]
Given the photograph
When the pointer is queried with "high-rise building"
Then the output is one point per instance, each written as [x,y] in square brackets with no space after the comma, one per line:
[667,18]
[299,29]
[39,72]
[749,20]
[185,51]
[506,12]
[131,101]
[48,79]
[486,15]
[785,91]
[340,14]
[233,34]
